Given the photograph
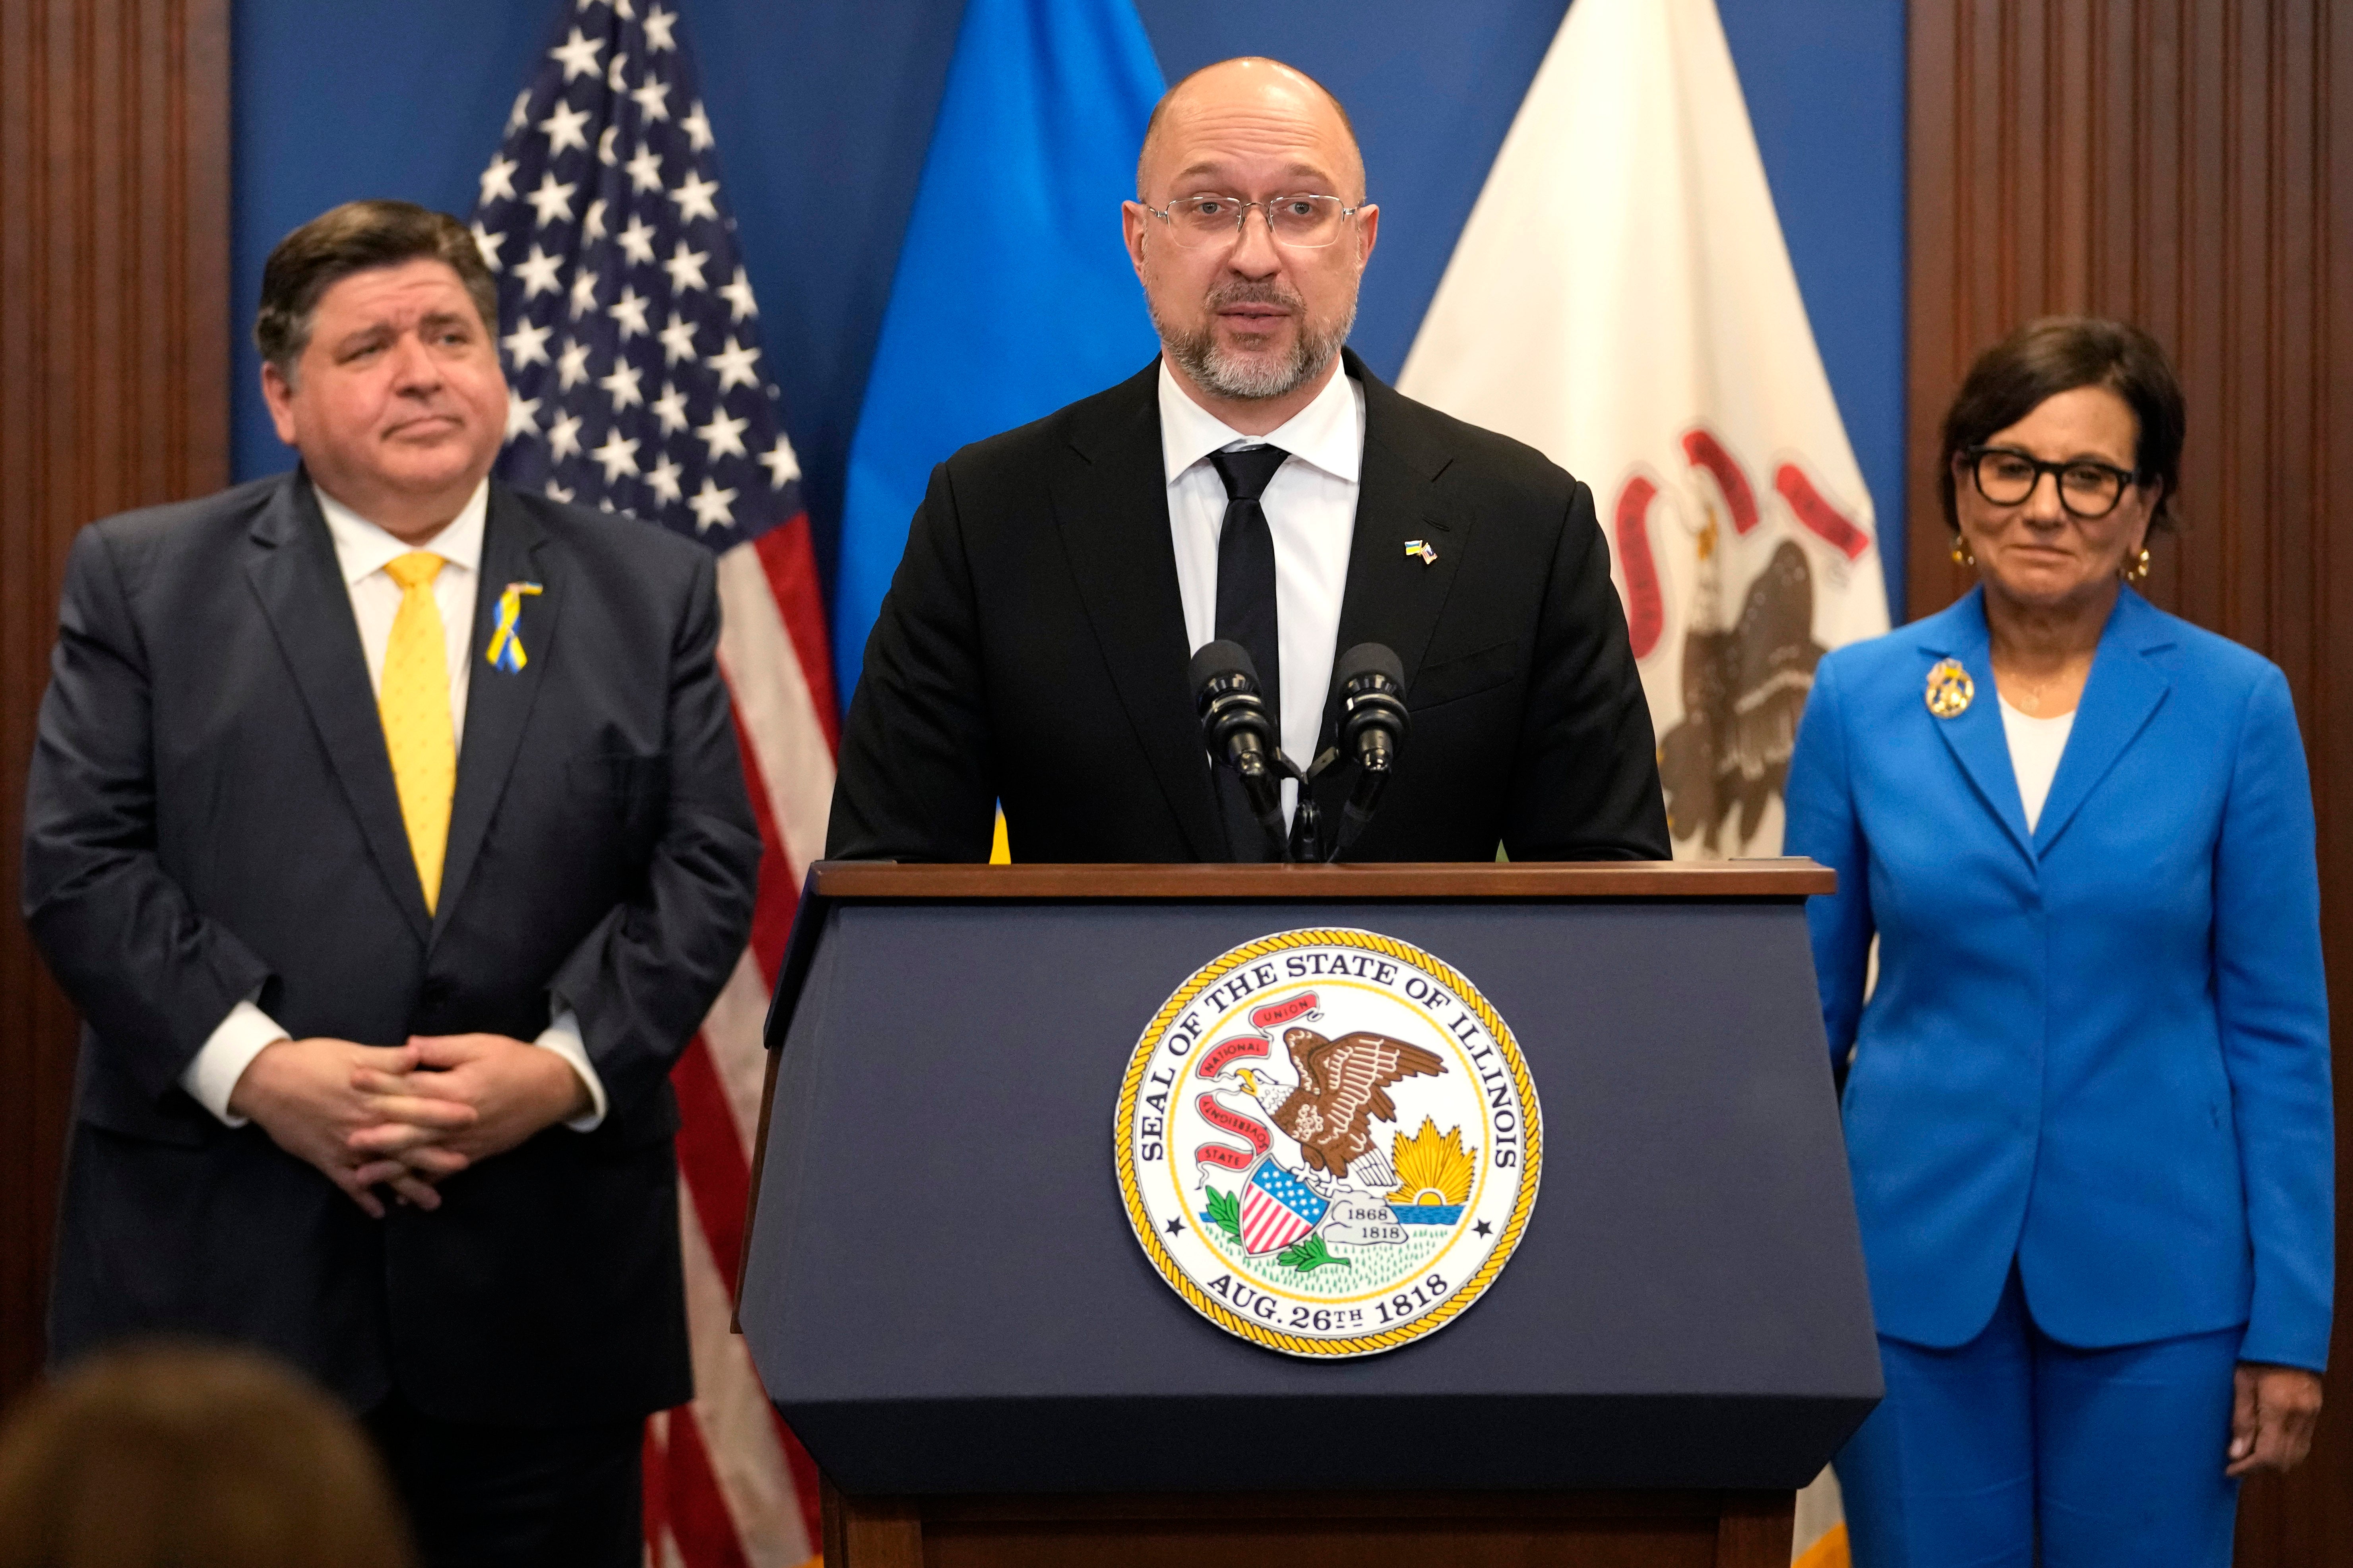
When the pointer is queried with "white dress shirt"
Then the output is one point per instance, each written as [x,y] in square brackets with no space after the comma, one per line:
[1311,509]
[2035,748]
[361,551]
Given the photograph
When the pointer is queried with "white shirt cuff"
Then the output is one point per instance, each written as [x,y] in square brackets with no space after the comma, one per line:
[211,1077]
[561,1035]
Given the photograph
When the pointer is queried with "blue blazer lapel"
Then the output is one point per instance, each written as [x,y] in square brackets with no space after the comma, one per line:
[498,702]
[292,565]
[1975,735]
[2121,694]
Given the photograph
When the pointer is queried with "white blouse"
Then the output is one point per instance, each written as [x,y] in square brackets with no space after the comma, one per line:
[2035,745]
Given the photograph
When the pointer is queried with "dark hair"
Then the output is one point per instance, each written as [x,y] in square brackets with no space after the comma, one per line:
[356,237]
[174,1455]
[2056,354]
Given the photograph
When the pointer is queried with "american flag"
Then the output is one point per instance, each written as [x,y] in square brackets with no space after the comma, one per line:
[631,343]
[1278,1208]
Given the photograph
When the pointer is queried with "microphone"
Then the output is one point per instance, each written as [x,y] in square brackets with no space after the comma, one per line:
[1238,732]
[1373,727]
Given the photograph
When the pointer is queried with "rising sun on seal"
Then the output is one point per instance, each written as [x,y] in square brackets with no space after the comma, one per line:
[1360,1195]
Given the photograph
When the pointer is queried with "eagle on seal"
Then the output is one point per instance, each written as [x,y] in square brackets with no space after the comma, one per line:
[1343,1088]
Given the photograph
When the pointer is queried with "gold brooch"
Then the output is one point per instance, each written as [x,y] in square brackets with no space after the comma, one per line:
[1422,550]
[1950,689]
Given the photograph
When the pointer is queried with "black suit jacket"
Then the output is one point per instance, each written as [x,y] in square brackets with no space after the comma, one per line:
[1032,651]
[211,815]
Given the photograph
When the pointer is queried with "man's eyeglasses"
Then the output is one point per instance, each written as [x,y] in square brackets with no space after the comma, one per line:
[2088,489]
[1297,223]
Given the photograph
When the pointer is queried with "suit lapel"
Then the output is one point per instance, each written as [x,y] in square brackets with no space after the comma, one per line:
[1111,506]
[2122,693]
[291,562]
[499,701]
[1975,734]
[1393,598]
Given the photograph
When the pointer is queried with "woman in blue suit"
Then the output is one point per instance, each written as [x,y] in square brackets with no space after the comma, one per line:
[2088,1113]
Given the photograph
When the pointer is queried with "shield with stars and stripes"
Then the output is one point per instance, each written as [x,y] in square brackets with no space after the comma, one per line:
[1278,1208]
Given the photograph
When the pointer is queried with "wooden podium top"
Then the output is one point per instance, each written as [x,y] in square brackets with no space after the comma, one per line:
[1793,877]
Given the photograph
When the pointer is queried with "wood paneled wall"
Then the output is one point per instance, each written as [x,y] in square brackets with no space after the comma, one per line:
[2186,164]
[113,393]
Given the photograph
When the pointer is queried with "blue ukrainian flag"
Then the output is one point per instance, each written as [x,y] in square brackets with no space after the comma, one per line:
[1014,294]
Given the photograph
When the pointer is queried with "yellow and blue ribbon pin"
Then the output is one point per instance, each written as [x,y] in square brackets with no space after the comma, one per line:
[505,651]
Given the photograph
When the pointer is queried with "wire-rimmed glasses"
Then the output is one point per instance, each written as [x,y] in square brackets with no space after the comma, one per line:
[1297,222]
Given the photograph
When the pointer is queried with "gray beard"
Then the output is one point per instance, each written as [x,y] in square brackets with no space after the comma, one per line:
[1221,374]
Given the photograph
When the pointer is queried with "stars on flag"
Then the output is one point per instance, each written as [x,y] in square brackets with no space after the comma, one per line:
[662,479]
[629,312]
[552,201]
[713,506]
[723,435]
[571,364]
[738,295]
[637,241]
[693,198]
[645,171]
[783,467]
[623,385]
[733,364]
[527,346]
[564,437]
[618,455]
[497,180]
[653,100]
[676,340]
[685,269]
[637,381]
[562,128]
[577,55]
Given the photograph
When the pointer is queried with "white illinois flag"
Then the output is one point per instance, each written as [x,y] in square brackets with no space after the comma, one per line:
[1621,300]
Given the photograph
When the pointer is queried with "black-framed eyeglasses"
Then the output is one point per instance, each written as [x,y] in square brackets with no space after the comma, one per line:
[2088,489]
[1298,222]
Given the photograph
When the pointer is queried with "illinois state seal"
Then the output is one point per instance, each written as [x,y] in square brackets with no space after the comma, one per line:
[1328,1142]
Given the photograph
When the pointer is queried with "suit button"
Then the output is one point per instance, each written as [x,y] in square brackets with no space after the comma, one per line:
[434,991]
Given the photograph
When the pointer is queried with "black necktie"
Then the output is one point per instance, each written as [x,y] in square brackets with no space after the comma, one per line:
[1246,612]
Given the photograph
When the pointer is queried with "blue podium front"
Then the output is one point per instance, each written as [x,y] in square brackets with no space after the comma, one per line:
[945,1293]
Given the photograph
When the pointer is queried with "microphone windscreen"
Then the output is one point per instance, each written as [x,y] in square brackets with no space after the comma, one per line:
[1223,657]
[1369,658]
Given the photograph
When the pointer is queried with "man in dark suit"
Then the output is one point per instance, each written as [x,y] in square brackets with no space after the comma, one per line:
[388,827]
[1255,483]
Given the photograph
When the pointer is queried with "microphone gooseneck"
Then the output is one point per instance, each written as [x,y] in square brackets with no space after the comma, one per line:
[1373,724]
[1238,732]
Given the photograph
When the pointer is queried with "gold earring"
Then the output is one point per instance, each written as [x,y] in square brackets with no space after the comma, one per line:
[1962,556]
[2137,571]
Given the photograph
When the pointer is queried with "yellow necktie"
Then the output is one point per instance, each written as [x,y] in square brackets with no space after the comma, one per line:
[413,700]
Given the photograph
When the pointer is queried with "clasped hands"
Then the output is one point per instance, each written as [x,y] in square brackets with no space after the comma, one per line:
[405,1117]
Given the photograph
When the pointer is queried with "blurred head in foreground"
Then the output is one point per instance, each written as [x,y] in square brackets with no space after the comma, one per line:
[179,1455]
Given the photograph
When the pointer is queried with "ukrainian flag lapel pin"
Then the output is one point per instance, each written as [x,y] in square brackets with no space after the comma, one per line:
[505,651]
[1950,689]
[1421,550]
